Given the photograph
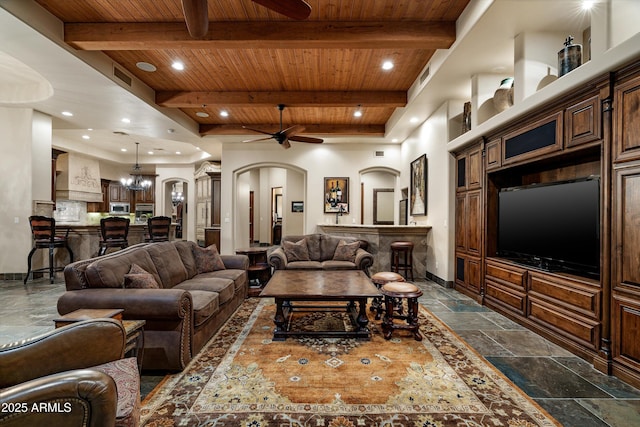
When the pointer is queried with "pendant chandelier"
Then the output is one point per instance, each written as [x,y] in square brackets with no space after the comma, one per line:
[137,182]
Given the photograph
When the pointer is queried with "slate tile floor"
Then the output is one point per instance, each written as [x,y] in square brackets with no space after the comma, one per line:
[566,386]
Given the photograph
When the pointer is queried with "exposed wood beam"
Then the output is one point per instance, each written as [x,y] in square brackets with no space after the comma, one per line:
[263,35]
[346,130]
[178,99]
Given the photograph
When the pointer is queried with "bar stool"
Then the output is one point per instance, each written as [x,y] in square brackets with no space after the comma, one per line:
[394,294]
[159,228]
[402,258]
[379,279]
[114,232]
[43,230]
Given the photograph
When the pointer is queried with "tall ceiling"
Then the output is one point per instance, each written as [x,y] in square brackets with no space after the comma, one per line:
[322,68]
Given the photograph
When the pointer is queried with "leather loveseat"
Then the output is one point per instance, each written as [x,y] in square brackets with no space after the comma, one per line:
[70,376]
[321,252]
[183,310]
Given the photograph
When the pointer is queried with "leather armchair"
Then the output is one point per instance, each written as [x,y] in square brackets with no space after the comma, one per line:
[68,377]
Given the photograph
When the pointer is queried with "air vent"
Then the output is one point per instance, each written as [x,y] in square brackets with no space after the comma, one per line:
[378,154]
[122,76]
[424,75]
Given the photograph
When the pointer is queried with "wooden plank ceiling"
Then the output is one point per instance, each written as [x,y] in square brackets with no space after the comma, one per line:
[251,59]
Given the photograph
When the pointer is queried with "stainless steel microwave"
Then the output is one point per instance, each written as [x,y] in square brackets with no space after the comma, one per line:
[119,208]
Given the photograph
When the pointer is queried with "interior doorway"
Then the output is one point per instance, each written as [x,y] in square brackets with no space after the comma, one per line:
[175,206]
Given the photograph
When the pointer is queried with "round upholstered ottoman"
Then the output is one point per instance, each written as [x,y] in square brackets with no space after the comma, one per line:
[394,295]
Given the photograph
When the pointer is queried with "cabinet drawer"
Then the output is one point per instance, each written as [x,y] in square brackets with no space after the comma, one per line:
[506,274]
[581,330]
[571,295]
[505,297]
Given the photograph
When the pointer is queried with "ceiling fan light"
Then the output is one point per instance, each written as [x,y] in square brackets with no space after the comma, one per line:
[387,65]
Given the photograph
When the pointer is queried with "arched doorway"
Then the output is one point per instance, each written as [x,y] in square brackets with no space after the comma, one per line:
[176,193]
[258,208]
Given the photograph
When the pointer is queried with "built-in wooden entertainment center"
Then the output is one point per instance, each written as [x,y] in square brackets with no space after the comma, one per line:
[592,131]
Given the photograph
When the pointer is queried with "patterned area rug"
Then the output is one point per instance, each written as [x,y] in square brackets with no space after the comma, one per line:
[243,378]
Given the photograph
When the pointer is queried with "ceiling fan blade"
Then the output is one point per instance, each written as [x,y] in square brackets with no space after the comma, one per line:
[300,138]
[196,17]
[259,139]
[294,9]
[257,130]
[292,130]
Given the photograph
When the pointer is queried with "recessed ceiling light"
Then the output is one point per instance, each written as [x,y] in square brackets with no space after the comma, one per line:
[224,113]
[67,113]
[414,120]
[387,65]
[86,137]
[126,120]
[90,129]
[202,114]
[178,152]
[149,152]
[587,4]
[145,66]
[177,65]
[123,149]
[394,140]
[357,113]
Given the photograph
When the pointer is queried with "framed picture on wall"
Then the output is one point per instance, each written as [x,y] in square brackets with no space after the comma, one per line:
[336,195]
[418,197]
[297,206]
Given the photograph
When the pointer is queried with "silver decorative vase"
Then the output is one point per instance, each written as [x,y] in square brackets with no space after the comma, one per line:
[503,97]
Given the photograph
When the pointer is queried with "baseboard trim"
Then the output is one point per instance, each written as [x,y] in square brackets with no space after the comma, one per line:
[439,280]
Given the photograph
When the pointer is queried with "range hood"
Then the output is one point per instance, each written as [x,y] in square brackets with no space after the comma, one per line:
[77,178]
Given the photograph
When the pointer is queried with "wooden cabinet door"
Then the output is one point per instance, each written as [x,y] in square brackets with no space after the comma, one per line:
[626,129]
[461,220]
[473,222]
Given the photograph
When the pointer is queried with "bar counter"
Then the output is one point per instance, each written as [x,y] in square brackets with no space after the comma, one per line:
[380,238]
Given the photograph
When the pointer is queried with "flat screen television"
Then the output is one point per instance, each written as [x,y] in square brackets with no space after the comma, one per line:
[554,226]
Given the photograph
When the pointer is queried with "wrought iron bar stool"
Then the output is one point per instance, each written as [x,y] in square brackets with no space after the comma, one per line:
[395,293]
[43,230]
[114,231]
[158,228]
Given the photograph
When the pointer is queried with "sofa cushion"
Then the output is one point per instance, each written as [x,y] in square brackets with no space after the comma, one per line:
[296,251]
[108,271]
[139,278]
[209,282]
[346,251]
[185,250]
[239,277]
[167,260]
[125,374]
[304,265]
[207,259]
[338,265]
[205,305]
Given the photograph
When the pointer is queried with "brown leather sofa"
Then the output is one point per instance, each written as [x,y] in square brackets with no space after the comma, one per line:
[181,315]
[321,249]
[70,376]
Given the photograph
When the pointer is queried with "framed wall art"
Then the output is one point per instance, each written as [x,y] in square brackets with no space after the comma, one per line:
[297,206]
[418,197]
[336,195]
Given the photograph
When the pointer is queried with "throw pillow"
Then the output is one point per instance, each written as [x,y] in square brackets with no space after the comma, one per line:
[207,259]
[139,278]
[297,251]
[346,251]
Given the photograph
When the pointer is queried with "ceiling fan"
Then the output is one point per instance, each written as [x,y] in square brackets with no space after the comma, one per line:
[197,18]
[283,136]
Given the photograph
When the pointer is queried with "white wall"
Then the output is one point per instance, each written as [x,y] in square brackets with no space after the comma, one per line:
[16,128]
[431,139]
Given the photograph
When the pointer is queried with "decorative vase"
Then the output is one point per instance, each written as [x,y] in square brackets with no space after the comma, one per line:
[570,57]
[503,98]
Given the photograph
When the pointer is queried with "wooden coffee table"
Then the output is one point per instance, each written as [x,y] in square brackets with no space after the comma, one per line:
[347,286]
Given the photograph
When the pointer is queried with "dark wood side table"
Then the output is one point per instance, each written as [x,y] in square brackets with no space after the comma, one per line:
[259,269]
[134,329]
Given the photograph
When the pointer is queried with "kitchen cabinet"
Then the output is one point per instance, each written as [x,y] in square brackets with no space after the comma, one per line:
[118,193]
[102,206]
